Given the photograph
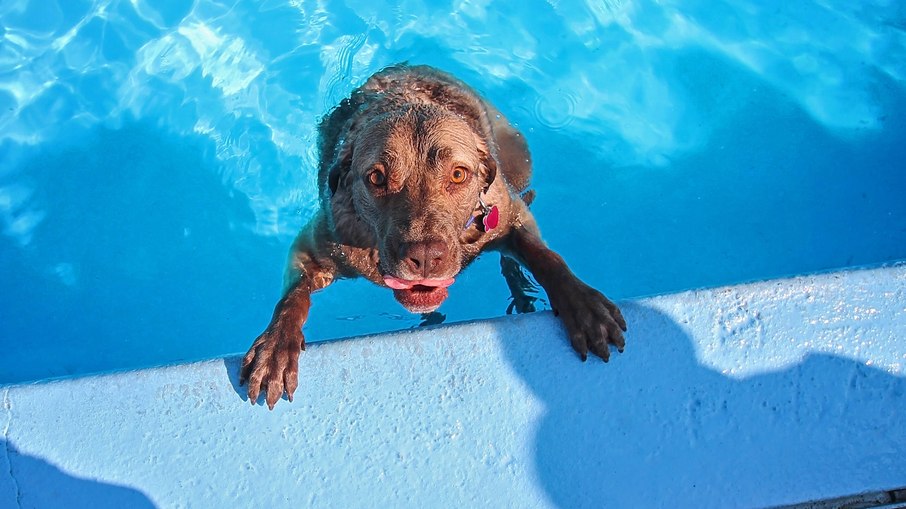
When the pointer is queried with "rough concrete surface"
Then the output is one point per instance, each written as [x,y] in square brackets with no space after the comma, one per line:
[755,395]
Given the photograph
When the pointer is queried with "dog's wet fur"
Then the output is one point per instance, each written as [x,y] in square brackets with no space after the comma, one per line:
[410,166]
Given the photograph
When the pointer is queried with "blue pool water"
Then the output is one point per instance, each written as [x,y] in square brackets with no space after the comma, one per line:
[156,158]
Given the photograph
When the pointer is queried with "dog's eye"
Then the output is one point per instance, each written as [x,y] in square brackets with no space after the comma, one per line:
[459,175]
[377,178]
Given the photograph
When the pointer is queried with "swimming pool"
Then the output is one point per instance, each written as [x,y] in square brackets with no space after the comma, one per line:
[156,158]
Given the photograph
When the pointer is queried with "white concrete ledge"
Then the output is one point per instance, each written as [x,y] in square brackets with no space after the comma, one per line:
[749,396]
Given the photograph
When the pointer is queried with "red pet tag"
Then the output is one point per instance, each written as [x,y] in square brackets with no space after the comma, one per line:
[491,219]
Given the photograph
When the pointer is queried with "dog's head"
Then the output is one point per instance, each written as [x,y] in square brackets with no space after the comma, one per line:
[414,176]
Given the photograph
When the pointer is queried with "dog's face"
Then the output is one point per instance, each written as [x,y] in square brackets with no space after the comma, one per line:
[414,178]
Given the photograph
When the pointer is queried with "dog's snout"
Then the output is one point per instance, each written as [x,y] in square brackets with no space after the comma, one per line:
[424,258]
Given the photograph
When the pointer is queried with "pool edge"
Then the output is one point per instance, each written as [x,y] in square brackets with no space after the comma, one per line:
[182,401]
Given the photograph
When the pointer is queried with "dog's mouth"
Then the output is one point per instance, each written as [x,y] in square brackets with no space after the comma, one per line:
[419,296]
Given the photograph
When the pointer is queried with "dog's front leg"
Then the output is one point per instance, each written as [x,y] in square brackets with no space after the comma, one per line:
[272,363]
[592,321]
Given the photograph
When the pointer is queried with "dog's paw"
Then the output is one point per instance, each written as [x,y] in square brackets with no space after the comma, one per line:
[272,365]
[592,321]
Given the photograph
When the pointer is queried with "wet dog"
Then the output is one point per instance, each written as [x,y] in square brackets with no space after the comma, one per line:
[418,175]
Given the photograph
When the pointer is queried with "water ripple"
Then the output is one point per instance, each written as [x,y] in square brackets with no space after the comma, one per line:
[253,78]
[340,56]
[555,110]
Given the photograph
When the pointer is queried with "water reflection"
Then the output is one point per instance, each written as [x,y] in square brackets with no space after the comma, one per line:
[255,78]
[644,107]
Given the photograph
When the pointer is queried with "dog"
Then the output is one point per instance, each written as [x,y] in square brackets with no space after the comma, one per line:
[419,174]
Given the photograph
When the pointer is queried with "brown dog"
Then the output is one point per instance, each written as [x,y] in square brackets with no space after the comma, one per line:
[418,175]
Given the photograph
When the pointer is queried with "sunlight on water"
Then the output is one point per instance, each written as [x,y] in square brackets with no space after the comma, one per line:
[218,70]
[161,154]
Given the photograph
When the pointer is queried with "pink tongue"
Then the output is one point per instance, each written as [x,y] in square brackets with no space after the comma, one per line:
[406,284]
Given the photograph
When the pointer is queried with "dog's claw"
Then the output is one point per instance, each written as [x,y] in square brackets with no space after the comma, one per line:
[271,365]
[593,322]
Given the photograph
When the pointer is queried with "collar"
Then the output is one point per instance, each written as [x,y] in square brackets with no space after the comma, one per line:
[489,215]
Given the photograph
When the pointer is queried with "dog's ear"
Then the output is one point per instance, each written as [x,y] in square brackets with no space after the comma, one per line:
[488,162]
[340,169]
[490,172]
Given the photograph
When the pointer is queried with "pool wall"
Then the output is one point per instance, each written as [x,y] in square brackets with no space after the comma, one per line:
[755,395]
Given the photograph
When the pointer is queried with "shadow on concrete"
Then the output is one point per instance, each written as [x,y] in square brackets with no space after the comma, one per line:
[231,366]
[40,484]
[654,428]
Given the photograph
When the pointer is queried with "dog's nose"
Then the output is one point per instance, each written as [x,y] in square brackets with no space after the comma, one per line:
[424,258]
